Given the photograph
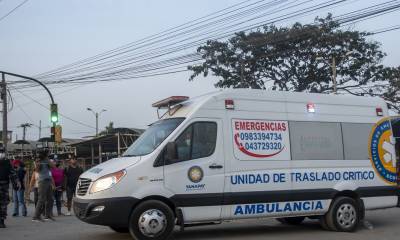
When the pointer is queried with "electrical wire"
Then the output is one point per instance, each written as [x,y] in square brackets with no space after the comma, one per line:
[127,70]
[63,115]
[13,10]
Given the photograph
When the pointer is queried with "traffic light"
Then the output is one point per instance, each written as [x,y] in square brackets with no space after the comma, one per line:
[54,113]
[58,134]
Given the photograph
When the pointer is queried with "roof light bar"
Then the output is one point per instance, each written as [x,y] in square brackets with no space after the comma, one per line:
[168,102]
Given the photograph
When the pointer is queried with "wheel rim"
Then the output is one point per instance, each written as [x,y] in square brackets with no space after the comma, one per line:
[346,215]
[152,223]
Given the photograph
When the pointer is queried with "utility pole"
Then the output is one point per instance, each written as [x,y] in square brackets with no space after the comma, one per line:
[40,129]
[24,126]
[97,124]
[96,114]
[334,74]
[4,98]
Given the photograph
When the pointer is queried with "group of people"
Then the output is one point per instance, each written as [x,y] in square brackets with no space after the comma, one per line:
[48,183]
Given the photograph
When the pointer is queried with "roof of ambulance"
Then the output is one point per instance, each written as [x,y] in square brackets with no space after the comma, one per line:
[213,100]
[279,96]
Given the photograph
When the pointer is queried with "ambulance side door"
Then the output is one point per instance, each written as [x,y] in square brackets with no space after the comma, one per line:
[196,177]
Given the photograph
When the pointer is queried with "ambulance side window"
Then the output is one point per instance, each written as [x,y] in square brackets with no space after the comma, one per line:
[197,141]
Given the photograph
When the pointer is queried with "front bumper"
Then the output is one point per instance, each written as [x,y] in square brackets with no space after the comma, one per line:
[116,211]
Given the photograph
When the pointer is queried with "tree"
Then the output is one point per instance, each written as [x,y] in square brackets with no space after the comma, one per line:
[108,129]
[298,58]
[389,90]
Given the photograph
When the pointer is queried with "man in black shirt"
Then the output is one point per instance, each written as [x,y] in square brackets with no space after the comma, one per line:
[72,173]
[7,173]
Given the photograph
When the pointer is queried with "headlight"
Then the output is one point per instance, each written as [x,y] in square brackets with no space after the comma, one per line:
[107,181]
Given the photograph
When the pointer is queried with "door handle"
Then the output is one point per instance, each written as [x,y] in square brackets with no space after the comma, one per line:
[215,166]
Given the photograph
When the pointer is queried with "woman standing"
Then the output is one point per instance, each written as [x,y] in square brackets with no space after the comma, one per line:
[58,176]
[34,185]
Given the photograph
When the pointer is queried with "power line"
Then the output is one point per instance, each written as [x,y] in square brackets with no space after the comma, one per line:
[115,73]
[13,10]
[293,14]
[205,36]
[72,120]
[384,30]
[124,69]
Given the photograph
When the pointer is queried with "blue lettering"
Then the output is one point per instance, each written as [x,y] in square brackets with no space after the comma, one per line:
[288,208]
[238,210]
[278,209]
[266,178]
[260,208]
[306,206]
[250,209]
[270,207]
[258,180]
[318,205]
[297,206]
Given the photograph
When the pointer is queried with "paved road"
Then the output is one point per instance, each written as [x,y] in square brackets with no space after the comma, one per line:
[386,225]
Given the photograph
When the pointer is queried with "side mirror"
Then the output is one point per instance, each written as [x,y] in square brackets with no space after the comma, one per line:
[171,152]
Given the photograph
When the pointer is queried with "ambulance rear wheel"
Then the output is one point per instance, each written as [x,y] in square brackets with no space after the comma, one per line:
[291,220]
[151,220]
[343,215]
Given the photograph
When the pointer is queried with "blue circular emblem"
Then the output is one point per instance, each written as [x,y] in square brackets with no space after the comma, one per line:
[382,151]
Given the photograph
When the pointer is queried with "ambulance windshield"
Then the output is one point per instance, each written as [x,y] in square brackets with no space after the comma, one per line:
[153,137]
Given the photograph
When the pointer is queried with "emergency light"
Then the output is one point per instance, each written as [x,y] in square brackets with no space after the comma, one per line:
[310,108]
[379,112]
[229,104]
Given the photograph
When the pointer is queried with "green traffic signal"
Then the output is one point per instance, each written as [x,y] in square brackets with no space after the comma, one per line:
[54,119]
[53,113]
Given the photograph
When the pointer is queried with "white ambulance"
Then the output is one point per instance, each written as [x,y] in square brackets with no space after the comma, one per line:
[241,154]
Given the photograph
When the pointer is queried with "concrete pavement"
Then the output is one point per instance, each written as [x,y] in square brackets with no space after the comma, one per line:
[386,225]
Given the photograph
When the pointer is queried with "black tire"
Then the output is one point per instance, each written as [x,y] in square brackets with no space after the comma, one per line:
[324,225]
[120,229]
[291,220]
[343,215]
[163,209]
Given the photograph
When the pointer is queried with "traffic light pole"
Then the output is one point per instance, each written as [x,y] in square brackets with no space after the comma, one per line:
[4,96]
[29,78]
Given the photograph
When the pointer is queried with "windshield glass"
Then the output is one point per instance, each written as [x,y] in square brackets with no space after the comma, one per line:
[153,137]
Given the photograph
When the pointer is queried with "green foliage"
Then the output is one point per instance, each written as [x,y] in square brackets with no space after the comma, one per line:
[299,58]
[108,129]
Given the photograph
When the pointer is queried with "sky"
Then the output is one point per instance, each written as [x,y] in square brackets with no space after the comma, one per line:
[45,34]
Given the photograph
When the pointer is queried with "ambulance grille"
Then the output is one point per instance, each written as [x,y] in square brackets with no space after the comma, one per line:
[83,186]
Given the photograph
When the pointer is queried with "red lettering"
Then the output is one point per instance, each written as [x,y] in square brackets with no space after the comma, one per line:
[260,126]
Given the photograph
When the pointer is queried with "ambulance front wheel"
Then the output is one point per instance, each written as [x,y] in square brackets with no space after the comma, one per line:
[151,220]
[343,215]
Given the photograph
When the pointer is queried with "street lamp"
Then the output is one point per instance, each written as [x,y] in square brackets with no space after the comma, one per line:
[333,66]
[96,114]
